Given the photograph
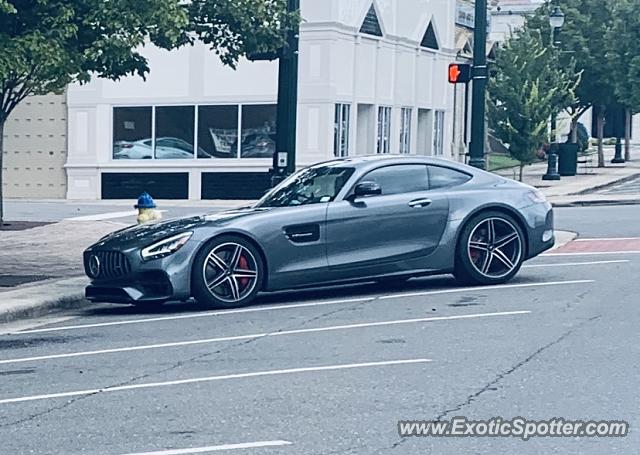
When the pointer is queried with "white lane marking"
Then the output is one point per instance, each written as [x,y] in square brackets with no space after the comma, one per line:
[103,216]
[246,445]
[487,288]
[571,264]
[260,335]
[213,378]
[288,307]
[607,239]
[589,253]
[197,315]
[106,216]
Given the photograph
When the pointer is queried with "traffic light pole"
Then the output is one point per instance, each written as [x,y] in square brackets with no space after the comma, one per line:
[284,160]
[480,75]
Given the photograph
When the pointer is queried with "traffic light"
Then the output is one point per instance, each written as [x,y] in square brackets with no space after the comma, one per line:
[459,73]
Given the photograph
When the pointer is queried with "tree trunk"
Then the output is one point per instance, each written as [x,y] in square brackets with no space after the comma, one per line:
[600,137]
[1,158]
[627,135]
[574,130]
[521,171]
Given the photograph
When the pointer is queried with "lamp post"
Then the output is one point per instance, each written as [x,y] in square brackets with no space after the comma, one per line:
[284,160]
[478,97]
[556,21]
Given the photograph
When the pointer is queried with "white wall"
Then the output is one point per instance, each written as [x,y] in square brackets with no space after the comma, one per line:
[337,65]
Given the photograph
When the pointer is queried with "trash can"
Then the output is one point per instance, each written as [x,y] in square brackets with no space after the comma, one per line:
[568,159]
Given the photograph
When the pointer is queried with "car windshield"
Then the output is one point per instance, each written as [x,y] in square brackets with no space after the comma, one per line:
[309,186]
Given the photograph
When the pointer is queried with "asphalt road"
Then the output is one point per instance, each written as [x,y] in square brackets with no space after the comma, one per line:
[333,371]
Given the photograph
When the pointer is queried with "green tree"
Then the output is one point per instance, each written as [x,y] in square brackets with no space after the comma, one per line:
[582,41]
[526,87]
[624,59]
[47,44]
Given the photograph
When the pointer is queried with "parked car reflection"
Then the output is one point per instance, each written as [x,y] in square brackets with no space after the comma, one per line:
[166,148]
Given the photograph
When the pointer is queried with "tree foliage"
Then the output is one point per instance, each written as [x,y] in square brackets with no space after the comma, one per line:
[47,44]
[623,43]
[582,42]
[526,87]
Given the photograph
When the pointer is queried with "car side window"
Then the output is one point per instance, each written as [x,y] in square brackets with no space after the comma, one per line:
[399,178]
[444,177]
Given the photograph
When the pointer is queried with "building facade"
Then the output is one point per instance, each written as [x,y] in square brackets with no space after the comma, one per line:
[372,79]
[35,149]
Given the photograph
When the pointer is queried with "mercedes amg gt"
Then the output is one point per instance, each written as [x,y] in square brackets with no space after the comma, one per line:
[354,219]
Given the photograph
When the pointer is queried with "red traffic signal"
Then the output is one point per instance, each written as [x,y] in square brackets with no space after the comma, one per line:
[459,73]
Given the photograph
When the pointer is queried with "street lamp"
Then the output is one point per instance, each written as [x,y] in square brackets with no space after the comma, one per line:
[556,20]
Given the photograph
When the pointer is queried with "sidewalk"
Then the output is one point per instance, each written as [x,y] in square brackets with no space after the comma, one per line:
[583,189]
[41,268]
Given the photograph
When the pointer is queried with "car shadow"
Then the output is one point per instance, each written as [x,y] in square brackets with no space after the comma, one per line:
[342,292]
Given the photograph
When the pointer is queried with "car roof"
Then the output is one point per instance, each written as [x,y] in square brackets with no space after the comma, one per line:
[369,160]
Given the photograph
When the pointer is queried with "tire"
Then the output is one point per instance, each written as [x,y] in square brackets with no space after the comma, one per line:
[490,250]
[227,272]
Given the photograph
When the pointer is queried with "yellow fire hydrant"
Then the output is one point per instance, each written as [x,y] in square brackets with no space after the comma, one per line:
[147,209]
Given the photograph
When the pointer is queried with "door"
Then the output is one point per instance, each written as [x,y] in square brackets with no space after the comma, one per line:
[392,232]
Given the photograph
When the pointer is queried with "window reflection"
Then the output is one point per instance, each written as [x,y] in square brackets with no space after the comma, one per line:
[174,132]
[218,131]
[258,131]
[132,133]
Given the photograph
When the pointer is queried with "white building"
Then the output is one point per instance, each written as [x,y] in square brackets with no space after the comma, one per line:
[373,79]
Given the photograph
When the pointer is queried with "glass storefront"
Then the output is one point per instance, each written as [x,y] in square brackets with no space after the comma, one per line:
[132,133]
[217,132]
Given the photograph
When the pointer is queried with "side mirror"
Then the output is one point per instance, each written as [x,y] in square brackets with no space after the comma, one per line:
[367,189]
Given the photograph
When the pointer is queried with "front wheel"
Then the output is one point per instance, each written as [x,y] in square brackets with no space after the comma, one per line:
[227,273]
[490,249]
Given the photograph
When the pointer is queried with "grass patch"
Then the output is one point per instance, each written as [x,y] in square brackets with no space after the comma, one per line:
[497,162]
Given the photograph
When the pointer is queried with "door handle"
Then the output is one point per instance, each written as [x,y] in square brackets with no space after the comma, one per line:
[419,203]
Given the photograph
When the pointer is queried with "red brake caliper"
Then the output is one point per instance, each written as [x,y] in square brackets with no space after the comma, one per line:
[243,264]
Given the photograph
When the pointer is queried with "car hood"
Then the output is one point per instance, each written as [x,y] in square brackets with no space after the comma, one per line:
[143,234]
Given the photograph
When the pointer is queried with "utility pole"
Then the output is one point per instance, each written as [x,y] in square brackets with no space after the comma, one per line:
[284,160]
[480,75]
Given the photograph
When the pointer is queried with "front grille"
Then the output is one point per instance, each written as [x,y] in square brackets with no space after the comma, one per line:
[112,264]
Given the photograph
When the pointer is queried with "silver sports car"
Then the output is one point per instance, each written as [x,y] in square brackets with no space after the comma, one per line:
[363,218]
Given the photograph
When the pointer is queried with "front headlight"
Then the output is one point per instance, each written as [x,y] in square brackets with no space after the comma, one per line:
[165,247]
[536,196]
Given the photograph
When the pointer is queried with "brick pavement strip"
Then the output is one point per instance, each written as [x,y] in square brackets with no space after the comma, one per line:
[51,251]
[54,250]
[600,246]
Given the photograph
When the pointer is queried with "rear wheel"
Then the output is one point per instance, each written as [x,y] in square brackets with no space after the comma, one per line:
[227,273]
[490,249]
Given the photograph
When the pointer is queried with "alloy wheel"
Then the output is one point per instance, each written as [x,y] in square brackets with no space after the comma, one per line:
[495,247]
[230,272]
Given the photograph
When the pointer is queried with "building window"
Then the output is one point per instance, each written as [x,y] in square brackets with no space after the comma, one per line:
[371,24]
[405,130]
[132,133]
[438,133]
[174,135]
[217,131]
[430,40]
[384,129]
[258,139]
[341,130]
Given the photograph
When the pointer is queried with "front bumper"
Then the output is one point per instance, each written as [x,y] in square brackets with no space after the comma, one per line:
[541,237]
[129,279]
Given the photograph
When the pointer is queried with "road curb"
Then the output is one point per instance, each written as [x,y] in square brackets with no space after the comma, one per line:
[606,185]
[595,203]
[37,300]
[563,237]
